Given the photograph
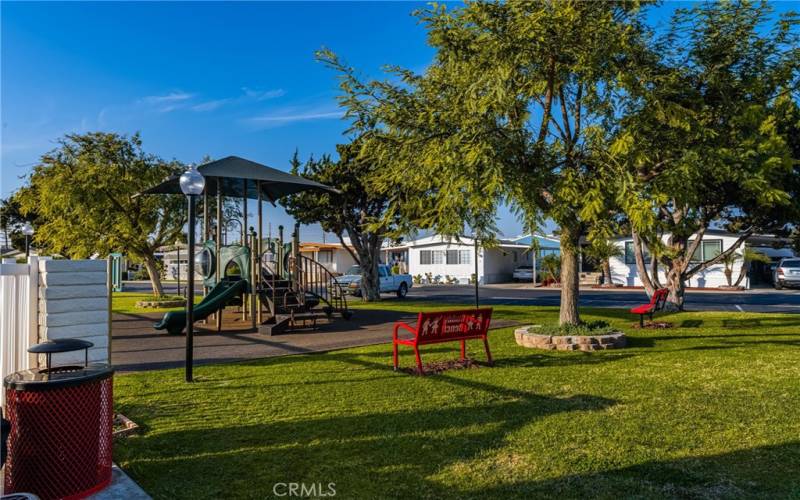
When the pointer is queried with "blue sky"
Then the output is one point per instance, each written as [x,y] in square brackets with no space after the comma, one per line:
[195,79]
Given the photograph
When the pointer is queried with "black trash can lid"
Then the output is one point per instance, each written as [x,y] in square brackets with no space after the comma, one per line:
[60,345]
[42,379]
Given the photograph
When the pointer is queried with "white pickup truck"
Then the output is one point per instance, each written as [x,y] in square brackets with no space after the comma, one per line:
[390,283]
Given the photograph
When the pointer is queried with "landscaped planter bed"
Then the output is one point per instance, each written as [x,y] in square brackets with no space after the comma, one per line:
[156,304]
[526,338]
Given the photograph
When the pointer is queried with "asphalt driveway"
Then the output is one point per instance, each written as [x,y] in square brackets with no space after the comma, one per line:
[756,300]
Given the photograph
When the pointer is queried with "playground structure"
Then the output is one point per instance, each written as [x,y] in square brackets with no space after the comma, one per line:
[276,287]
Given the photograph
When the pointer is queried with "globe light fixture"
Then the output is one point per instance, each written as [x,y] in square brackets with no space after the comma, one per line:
[192,184]
[192,181]
[27,230]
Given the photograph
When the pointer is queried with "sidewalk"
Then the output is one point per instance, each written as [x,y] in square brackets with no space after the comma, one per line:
[137,346]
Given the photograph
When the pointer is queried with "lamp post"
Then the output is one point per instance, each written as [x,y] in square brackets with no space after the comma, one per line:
[192,185]
[27,230]
[178,247]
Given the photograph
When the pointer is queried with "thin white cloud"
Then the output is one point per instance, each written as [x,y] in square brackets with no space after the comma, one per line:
[283,117]
[172,97]
[263,95]
[210,105]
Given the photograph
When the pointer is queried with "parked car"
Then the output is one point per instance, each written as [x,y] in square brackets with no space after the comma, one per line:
[523,273]
[397,283]
[787,273]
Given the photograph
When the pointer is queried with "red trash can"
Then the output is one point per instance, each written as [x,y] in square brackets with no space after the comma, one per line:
[61,426]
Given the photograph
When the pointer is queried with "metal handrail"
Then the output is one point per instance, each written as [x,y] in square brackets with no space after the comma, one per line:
[313,278]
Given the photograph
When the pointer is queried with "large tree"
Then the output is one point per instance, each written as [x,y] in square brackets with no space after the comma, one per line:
[357,211]
[701,144]
[515,107]
[12,221]
[83,191]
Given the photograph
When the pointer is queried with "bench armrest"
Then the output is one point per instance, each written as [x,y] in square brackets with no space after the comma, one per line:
[406,326]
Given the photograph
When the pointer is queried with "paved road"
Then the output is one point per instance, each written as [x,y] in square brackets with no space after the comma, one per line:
[758,300]
[761,300]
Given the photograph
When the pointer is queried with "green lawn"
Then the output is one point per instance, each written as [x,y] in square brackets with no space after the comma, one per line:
[125,302]
[710,409]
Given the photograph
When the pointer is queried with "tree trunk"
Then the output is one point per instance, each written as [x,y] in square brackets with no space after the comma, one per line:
[607,280]
[676,287]
[370,279]
[743,272]
[155,277]
[568,314]
[368,257]
[641,268]
[729,275]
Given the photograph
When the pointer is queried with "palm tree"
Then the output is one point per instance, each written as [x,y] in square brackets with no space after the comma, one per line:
[728,261]
[552,265]
[601,251]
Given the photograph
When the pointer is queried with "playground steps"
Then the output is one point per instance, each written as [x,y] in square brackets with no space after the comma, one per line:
[288,322]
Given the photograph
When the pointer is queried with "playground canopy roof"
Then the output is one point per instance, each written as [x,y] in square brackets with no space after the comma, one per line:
[230,173]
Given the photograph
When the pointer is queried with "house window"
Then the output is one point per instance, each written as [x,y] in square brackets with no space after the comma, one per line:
[707,250]
[325,256]
[452,257]
[630,255]
[425,257]
[428,257]
[456,257]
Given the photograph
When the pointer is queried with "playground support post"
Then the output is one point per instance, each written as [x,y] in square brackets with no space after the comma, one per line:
[280,251]
[259,244]
[246,296]
[190,297]
[218,243]
[253,274]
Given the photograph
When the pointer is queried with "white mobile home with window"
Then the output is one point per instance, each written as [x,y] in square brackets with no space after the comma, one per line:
[437,257]
[624,272]
[333,256]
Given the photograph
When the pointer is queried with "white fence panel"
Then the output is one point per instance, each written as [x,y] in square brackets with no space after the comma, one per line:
[19,309]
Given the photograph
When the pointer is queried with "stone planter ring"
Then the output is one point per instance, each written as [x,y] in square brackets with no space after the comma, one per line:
[526,338]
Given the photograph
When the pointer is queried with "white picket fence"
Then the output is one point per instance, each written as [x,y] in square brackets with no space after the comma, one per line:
[19,310]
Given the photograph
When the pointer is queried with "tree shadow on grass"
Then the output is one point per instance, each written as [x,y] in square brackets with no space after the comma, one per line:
[761,472]
[391,451]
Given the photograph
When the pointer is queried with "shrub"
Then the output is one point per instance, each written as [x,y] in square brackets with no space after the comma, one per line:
[590,328]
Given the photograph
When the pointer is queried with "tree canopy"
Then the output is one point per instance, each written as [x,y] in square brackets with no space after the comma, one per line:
[358,211]
[515,107]
[704,138]
[83,191]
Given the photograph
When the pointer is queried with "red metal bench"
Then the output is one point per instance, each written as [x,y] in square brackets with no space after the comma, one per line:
[656,304]
[444,326]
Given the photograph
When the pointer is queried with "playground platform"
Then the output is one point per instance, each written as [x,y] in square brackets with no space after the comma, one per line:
[136,346]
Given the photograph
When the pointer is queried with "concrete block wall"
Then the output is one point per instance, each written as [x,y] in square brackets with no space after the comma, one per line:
[73,303]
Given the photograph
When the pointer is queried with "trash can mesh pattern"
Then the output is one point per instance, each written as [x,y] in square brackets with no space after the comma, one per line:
[61,440]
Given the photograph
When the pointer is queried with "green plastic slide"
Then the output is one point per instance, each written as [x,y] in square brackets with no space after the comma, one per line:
[174,322]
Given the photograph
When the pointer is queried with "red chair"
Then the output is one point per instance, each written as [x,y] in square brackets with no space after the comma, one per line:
[444,326]
[656,304]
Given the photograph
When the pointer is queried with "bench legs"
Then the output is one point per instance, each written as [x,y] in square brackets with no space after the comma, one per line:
[641,321]
[419,360]
[488,353]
